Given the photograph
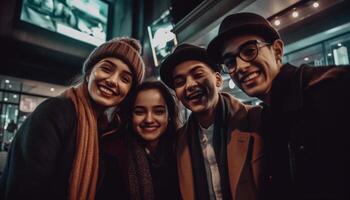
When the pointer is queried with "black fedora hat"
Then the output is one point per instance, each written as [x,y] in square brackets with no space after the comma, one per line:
[239,24]
[183,52]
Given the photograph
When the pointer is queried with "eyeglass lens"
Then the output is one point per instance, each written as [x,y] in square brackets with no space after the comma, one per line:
[247,52]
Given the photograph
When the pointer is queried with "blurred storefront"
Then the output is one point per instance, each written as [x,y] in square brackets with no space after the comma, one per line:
[333,51]
[18,98]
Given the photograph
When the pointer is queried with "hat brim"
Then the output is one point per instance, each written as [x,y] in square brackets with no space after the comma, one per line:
[215,47]
[168,65]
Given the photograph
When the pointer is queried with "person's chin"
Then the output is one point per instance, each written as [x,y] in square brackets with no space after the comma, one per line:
[106,102]
[255,91]
[149,137]
[197,109]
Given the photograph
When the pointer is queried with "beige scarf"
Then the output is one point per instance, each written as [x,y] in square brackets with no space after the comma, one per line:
[84,174]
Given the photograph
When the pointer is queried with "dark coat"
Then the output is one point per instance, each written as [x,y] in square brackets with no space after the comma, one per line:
[244,155]
[40,159]
[164,176]
[307,132]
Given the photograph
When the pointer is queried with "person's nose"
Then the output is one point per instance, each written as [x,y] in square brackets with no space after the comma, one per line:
[190,83]
[241,64]
[113,80]
[149,117]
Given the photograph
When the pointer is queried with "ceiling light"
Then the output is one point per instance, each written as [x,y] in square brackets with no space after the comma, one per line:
[231,84]
[339,44]
[329,54]
[277,22]
[306,58]
[6,99]
[295,14]
[10,86]
[7,81]
[52,89]
[15,96]
[315,4]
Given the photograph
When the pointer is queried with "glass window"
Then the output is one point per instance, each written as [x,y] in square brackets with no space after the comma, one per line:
[312,55]
[338,50]
[9,84]
[9,97]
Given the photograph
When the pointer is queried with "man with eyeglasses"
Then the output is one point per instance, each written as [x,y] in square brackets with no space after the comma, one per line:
[305,119]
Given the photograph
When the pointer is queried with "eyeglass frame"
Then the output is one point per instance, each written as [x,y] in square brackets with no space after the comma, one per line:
[229,70]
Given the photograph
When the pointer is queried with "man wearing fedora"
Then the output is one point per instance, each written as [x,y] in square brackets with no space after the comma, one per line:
[305,119]
[219,154]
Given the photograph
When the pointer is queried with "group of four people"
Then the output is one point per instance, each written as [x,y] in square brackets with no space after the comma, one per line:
[113,137]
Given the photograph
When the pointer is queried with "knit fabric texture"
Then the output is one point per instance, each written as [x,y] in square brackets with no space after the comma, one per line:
[126,49]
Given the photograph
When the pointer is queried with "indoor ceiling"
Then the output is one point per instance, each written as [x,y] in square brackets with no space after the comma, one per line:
[30,87]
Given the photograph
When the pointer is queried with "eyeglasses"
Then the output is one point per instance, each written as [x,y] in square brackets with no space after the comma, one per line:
[246,52]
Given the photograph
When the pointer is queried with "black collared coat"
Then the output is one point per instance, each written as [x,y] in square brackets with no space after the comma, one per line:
[307,126]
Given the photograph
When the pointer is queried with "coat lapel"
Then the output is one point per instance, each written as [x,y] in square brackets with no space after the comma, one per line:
[185,169]
[237,150]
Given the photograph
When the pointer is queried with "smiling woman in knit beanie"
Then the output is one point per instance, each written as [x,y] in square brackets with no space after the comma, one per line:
[56,153]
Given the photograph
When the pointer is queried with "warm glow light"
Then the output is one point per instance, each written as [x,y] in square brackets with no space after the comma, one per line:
[231,84]
[295,14]
[315,4]
[277,22]
[52,89]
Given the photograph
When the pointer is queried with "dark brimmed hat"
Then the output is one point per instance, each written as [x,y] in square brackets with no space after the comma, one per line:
[182,53]
[239,24]
[124,48]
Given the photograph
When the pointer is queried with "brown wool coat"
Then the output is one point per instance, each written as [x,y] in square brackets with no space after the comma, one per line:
[244,156]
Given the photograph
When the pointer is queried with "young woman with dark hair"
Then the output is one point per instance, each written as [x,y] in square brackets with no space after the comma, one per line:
[147,160]
[155,119]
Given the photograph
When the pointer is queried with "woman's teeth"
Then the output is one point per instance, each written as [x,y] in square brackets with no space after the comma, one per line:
[106,90]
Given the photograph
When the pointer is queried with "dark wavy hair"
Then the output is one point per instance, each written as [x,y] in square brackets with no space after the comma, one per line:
[173,111]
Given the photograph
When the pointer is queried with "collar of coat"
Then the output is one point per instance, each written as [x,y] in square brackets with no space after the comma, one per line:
[290,84]
[237,148]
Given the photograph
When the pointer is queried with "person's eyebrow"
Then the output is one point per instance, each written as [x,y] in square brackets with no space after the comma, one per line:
[195,68]
[115,66]
[191,71]
[159,106]
[109,62]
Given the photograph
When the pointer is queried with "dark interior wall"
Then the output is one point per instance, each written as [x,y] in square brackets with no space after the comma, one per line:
[179,11]
[122,19]
[34,53]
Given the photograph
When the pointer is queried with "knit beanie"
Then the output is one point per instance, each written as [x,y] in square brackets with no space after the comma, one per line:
[126,49]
